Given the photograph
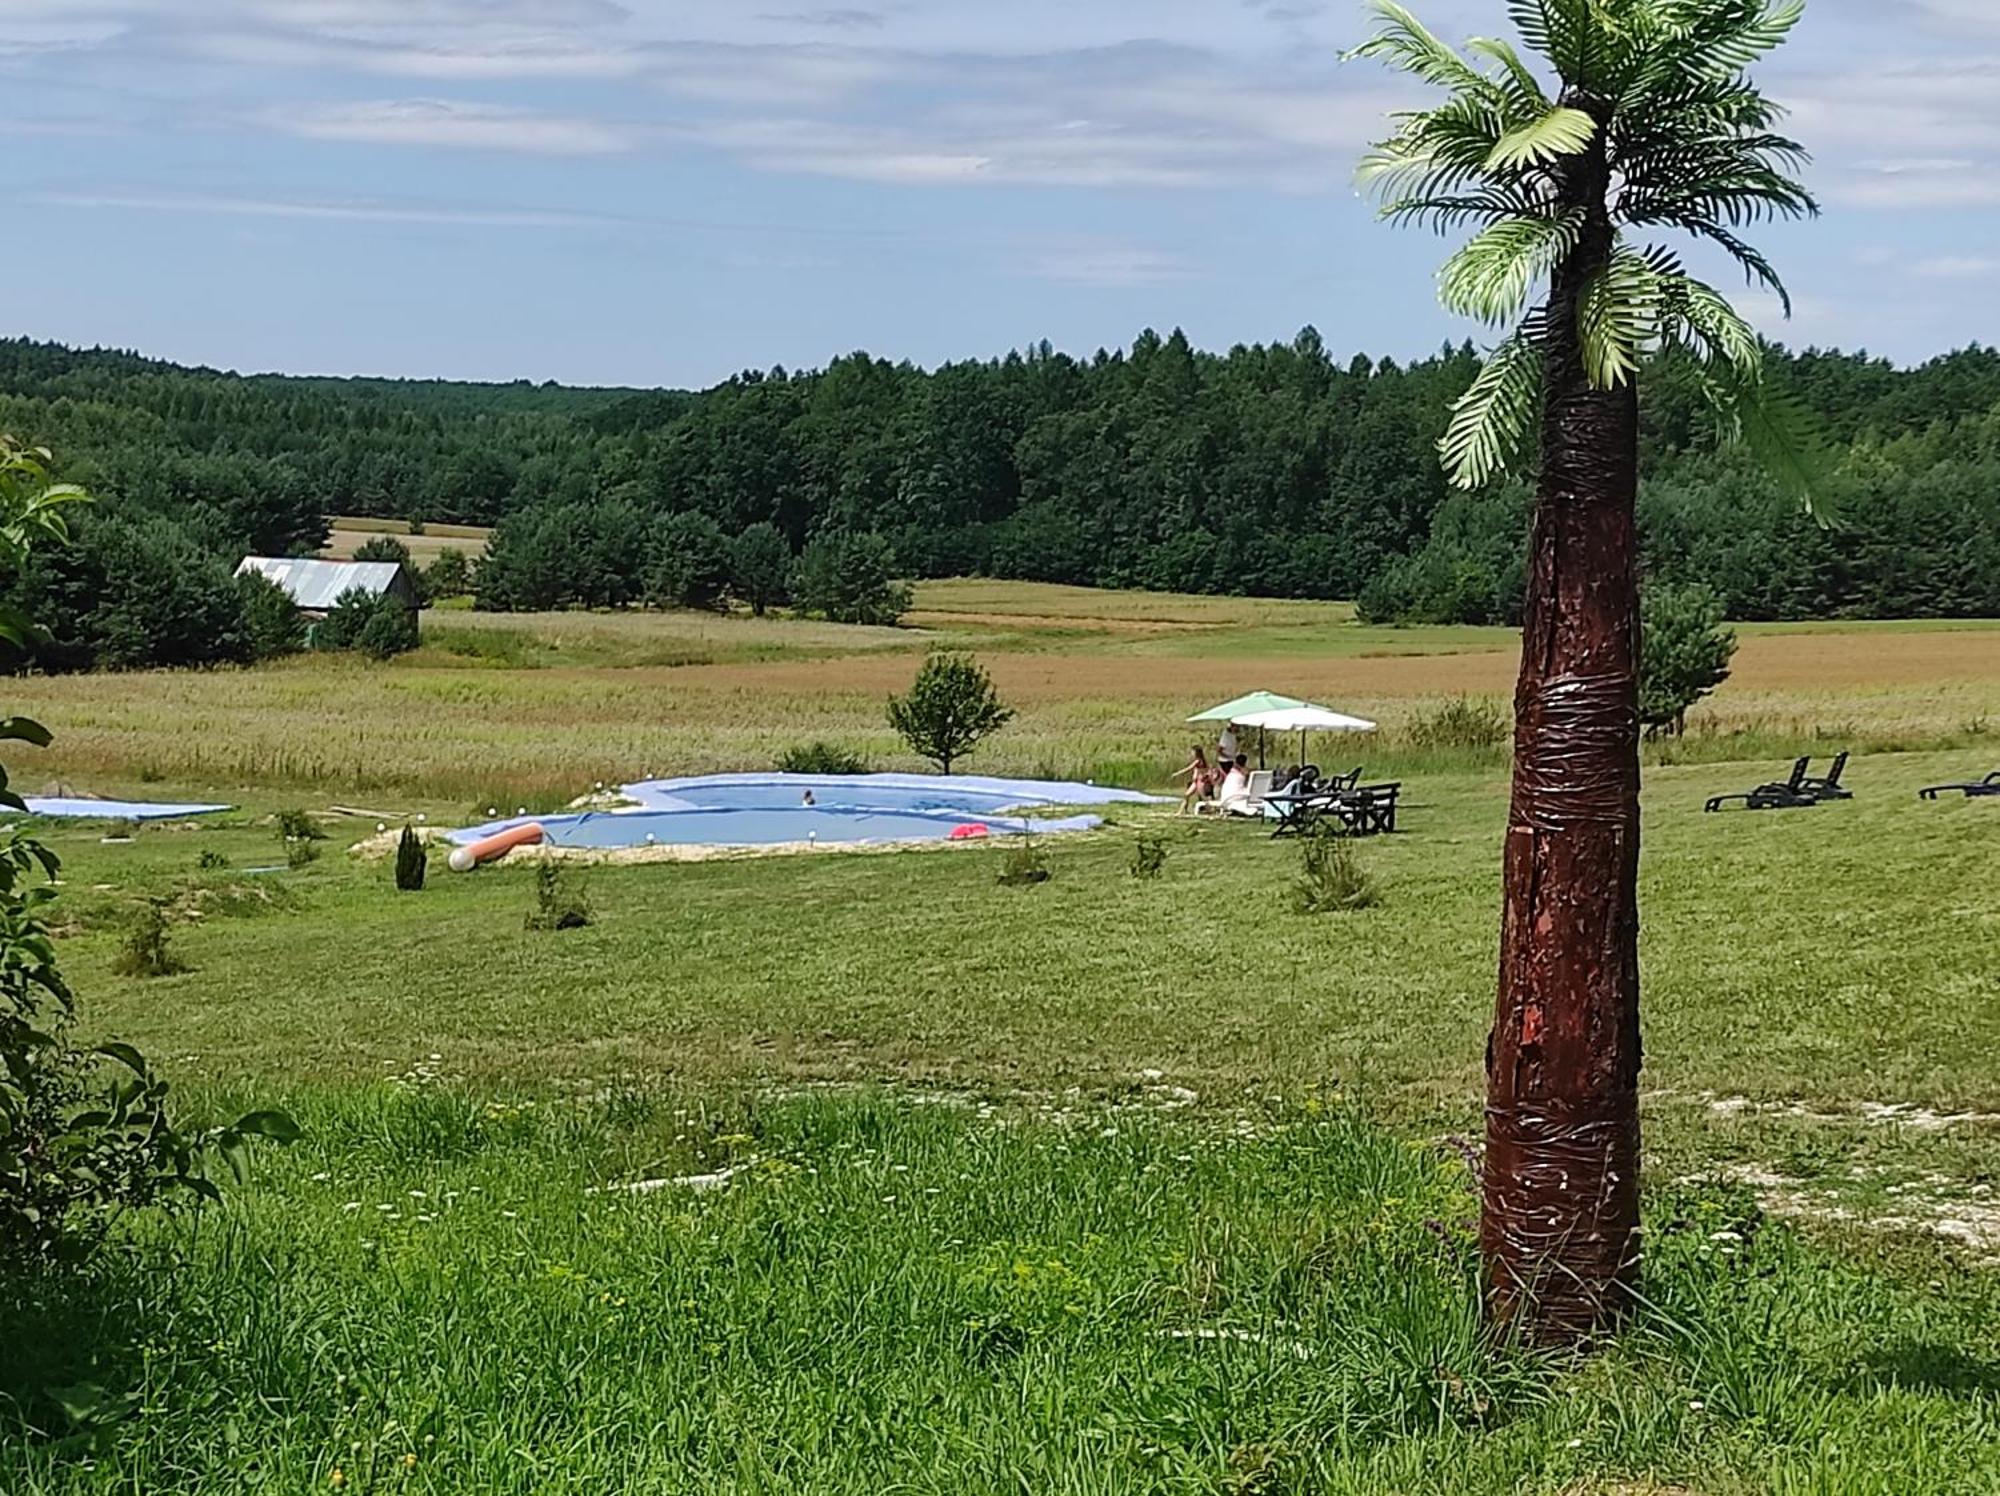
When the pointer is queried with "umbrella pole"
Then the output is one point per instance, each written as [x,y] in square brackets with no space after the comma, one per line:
[1260,747]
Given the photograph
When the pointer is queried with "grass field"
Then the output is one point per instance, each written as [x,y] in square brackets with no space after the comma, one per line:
[1104,1185]
[349,533]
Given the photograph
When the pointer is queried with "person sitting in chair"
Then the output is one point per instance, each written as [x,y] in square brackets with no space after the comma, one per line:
[1234,797]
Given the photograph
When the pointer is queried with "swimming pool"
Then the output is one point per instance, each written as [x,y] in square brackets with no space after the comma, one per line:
[763,810]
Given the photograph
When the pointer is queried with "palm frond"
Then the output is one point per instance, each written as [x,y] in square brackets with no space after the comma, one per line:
[1618,313]
[1561,30]
[1534,142]
[1404,42]
[1491,420]
[1490,277]
[1523,86]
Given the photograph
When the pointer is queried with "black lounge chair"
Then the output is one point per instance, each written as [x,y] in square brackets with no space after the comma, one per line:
[1790,794]
[1972,789]
[1828,788]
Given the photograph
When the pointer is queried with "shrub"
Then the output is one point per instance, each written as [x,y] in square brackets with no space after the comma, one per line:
[1465,722]
[211,860]
[760,566]
[301,853]
[950,707]
[1149,857]
[148,949]
[1684,654]
[411,861]
[391,629]
[298,825]
[384,548]
[1331,879]
[821,757]
[850,578]
[1023,866]
[76,1148]
[560,902]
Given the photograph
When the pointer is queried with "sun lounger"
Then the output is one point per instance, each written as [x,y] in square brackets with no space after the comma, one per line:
[1829,788]
[1789,794]
[1972,789]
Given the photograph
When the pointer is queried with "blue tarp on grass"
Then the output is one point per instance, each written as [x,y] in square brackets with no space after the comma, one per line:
[114,810]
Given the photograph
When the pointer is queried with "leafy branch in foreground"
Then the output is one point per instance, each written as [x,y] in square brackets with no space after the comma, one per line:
[84,1132]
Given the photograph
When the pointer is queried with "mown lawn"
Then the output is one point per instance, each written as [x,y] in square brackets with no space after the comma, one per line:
[1105,1185]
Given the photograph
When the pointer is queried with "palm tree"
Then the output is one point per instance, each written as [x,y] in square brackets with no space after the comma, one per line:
[1647,123]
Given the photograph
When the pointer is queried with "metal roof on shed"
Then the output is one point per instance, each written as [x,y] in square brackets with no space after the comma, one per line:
[318,585]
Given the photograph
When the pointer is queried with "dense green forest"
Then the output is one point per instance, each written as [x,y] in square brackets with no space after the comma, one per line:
[1271,469]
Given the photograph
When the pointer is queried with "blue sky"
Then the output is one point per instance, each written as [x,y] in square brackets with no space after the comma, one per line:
[665,191]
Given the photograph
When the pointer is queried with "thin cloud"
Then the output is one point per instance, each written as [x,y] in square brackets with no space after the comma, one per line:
[1958,267]
[1109,267]
[458,126]
[354,211]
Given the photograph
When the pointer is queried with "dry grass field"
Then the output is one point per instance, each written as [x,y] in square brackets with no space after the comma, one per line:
[351,532]
[530,707]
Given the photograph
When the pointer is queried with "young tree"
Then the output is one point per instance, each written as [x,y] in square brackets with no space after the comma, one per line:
[1650,122]
[760,565]
[951,706]
[691,563]
[448,575]
[850,578]
[271,622]
[1684,653]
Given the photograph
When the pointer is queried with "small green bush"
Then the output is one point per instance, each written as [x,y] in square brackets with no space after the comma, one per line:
[1149,857]
[301,853]
[148,949]
[411,861]
[1466,722]
[821,757]
[298,825]
[1023,866]
[211,860]
[560,902]
[121,830]
[1331,879]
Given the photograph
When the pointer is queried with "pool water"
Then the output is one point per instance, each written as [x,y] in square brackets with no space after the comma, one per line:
[761,810]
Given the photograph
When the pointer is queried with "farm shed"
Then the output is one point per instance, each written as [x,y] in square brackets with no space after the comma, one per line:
[315,586]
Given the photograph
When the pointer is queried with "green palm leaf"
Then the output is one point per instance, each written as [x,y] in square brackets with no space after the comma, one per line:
[1560,132]
[1490,421]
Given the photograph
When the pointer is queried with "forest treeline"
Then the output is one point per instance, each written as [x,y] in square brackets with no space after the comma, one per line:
[1272,469]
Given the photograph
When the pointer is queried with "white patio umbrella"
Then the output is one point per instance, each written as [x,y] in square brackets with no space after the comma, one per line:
[1306,718]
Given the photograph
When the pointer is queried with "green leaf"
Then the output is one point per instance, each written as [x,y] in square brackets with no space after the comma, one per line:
[1560,132]
[125,1055]
[279,1127]
[1490,422]
[21,729]
[1491,276]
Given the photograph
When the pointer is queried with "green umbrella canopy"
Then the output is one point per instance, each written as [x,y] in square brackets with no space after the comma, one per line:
[1248,706]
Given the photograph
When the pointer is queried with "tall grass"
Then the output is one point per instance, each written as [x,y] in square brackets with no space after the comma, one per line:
[439,1291]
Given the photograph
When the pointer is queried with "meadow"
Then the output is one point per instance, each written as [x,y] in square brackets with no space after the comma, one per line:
[846,1172]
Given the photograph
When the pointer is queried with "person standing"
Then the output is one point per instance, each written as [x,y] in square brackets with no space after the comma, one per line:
[1225,745]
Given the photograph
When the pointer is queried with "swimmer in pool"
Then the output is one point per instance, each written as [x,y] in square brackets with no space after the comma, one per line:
[808,800]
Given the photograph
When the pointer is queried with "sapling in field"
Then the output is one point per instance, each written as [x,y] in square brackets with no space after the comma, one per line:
[951,706]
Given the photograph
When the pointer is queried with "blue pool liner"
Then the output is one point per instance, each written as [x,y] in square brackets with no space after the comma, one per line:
[760,810]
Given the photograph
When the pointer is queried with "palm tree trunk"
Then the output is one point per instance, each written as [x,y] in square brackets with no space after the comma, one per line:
[1560,1223]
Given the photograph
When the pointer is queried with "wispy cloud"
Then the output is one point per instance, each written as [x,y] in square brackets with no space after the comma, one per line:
[456,125]
[334,211]
[1108,266]
[1957,267]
